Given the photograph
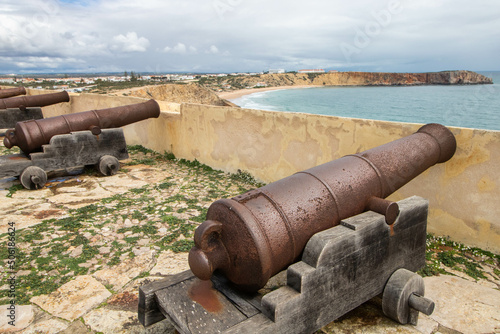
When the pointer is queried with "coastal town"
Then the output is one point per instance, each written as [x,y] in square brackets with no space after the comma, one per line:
[97,83]
[89,83]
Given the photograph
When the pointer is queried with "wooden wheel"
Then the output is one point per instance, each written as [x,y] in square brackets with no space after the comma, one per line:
[108,165]
[403,297]
[33,177]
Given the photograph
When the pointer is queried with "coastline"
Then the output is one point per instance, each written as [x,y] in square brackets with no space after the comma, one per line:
[301,80]
[242,92]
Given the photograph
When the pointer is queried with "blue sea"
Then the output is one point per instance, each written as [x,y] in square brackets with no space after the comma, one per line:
[471,106]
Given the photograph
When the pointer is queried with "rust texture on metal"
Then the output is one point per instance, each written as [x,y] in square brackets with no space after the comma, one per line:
[9,92]
[29,136]
[41,100]
[253,236]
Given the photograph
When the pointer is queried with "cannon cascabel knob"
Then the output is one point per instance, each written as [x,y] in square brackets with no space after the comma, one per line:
[209,252]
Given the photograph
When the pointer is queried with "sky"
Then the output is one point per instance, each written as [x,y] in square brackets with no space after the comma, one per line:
[210,36]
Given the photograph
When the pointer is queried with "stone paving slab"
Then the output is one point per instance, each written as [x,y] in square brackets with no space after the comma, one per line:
[109,321]
[39,322]
[169,263]
[123,273]
[50,326]
[477,306]
[22,316]
[73,299]
[368,318]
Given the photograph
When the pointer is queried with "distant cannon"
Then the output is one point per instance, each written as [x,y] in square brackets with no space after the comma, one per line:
[80,139]
[31,135]
[253,236]
[41,100]
[9,92]
[25,108]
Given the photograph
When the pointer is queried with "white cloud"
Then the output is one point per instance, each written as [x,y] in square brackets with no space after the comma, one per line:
[130,43]
[41,62]
[181,49]
[213,50]
[23,64]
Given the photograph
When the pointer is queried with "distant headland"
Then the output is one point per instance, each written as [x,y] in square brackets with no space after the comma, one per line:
[231,87]
[357,79]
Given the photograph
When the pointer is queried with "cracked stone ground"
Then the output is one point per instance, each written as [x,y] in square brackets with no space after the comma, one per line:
[85,243]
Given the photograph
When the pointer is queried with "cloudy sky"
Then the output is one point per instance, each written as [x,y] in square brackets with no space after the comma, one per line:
[159,36]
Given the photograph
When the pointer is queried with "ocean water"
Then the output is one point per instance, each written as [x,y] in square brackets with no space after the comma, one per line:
[471,106]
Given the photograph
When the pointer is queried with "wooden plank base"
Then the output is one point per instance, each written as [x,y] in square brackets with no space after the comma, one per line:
[341,268]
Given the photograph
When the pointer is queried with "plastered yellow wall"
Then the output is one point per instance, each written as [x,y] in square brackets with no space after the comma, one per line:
[463,193]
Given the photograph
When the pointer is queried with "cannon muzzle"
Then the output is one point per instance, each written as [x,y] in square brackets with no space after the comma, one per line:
[41,100]
[9,92]
[31,135]
[253,236]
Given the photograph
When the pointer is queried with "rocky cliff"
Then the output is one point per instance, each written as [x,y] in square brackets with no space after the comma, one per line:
[196,93]
[191,93]
[389,79]
[362,79]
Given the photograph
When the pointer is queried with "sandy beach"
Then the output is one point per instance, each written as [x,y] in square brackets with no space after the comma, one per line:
[242,92]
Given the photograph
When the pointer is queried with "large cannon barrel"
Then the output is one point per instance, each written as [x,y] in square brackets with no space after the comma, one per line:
[253,236]
[31,135]
[9,92]
[41,100]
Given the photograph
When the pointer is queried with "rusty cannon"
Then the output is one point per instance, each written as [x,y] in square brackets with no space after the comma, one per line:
[10,92]
[29,136]
[74,140]
[41,100]
[255,235]
[329,229]
[25,108]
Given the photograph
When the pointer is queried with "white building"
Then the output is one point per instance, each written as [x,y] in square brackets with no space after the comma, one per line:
[318,70]
[278,71]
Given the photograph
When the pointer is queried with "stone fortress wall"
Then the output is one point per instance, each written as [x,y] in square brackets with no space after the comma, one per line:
[463,193]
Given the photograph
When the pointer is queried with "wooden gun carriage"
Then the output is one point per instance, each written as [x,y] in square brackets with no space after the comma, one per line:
[25,108]
[74,140]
